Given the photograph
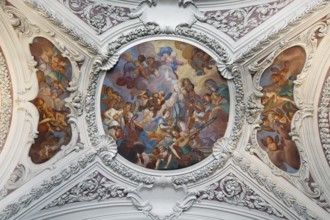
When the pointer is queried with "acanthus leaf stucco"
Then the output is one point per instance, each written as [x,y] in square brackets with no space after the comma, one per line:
[238,22]
[85,110]
[99,16]
[5,100]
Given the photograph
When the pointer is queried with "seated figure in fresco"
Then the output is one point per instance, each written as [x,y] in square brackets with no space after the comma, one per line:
[161,155]
[271,100]
[152,67]
[168,57]
[58,94]
[275,122]
[180,148]
[207,100]
[163,127]
[219,94]
[151,101]
[114,121]
[275,154]
[109,98]
[199,61]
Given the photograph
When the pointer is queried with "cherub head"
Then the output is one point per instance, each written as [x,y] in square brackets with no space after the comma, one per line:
[150,60]
[166,113]
[176,132]
[207,97]
[162,148]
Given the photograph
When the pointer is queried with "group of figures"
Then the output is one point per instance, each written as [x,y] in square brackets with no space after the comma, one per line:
[54,73]
[279,108]
[165,104]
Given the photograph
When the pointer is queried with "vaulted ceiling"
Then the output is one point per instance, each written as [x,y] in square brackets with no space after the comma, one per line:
[168,109]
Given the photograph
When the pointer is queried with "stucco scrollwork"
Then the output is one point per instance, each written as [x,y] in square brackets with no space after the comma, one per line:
[57,21]
[323,115]
[100,16]
[78,103]
[288,199]
[47,186]
[107,148]
[238,22]
[94,187]
[20,22]
[28,33]
[5,101]
[222,148]
[188,11]
[283,28]
[106,62]
[253,109]
[308,41]
[233,191]
[2,3]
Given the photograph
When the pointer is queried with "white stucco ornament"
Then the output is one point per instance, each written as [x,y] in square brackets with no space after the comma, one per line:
[164,14]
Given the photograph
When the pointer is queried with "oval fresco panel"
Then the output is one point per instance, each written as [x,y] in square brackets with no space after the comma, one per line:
[277,85]
[54,72]
[165,104]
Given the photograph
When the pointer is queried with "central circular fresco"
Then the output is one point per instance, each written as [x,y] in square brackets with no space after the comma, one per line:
[165,104]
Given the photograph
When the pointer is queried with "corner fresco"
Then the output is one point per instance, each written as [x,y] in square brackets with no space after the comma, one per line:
[277,84]
[54,72]
[165,104]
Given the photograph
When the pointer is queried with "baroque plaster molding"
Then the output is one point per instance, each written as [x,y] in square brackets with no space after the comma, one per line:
[15,180]
[231,190]
[308,41]
[107,62]
[78,103]
[5,101]
[27,32]
[288,199]
[188,11]
[324,115]
[248,52]
[48,185]
[253,109]
[2,3]
[236,23]
[266,39]
[99,16]
[94,187]
[58,22]
[20,22]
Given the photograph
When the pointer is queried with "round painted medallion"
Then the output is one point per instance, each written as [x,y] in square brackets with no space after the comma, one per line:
[165,104]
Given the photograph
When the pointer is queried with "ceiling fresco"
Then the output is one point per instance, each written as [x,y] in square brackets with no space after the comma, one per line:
[204,111]
[165,104]
[54,74]
[277,83]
